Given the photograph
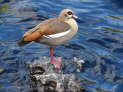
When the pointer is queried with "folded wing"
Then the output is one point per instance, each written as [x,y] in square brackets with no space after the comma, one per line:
[48,27]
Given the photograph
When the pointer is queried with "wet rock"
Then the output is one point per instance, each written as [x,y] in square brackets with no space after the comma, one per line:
[45,78]
[78,63]
[37,70]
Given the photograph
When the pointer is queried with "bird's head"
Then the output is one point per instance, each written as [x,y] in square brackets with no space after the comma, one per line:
[67,14]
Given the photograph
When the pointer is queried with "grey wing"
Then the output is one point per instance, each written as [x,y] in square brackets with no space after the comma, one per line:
[58,27]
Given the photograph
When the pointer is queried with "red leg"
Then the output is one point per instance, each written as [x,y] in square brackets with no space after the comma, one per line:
[55,62]
[51,55]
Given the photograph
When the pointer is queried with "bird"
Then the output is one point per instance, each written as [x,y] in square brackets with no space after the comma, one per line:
[53,32]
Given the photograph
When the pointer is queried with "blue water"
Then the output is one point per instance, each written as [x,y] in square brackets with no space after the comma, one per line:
[99,41]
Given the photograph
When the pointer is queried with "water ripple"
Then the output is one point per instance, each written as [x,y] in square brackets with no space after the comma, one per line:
[98,42]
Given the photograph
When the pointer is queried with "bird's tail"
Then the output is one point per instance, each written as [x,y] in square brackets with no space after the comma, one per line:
[23,43]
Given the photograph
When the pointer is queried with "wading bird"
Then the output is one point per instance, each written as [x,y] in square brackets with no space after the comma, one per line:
[53,32]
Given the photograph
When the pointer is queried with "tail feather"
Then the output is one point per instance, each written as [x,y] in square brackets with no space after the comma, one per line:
[23,43]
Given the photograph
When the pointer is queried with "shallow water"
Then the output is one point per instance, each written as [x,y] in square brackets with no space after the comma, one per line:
[99,42]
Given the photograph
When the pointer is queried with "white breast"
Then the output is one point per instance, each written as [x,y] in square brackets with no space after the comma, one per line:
[73,24]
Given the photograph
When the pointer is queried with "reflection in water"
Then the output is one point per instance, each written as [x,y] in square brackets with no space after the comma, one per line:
[116,17]
[101,90]
[111,29]
[4,7]
[101,49]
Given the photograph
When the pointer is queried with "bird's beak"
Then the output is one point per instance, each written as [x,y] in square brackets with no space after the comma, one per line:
[74,16]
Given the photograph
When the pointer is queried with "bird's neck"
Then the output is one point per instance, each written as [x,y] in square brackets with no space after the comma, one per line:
[73,24]
[61,18]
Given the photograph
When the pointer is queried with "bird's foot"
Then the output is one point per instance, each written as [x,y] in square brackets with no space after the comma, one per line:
[56,62]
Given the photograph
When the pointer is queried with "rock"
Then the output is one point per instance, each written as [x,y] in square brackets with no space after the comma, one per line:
[45,78]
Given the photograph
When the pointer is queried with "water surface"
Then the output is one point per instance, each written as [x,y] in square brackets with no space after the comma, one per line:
[99,41]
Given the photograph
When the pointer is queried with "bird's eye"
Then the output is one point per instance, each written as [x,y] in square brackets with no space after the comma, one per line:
[69,13]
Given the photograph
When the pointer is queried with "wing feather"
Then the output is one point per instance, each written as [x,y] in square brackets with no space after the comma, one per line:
[48,27]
